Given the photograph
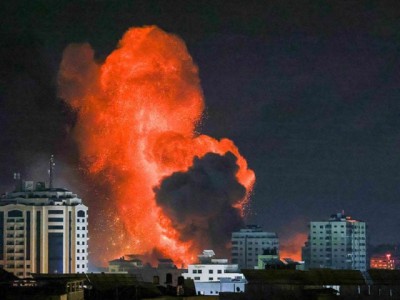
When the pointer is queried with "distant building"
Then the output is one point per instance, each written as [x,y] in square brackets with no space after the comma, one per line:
[386,262]
[212,276]
[165,274]
[250,242]
[43,230]
[338,243]
[124,264]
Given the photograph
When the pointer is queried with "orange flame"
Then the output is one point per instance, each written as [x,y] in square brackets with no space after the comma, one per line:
[137,118]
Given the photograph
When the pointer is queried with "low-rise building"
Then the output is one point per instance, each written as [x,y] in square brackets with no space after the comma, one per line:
[212,275]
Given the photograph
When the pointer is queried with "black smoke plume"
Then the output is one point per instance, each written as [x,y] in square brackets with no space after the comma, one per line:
[200,202]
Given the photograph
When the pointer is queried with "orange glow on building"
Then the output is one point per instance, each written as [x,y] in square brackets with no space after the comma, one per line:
[382,262]
[138,116]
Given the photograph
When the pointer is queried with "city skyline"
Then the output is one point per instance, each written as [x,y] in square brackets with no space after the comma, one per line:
[309,94]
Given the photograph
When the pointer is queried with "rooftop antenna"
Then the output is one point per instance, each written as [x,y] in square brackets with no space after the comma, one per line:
[51,171]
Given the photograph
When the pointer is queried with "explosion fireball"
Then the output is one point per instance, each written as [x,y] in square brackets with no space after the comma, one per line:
[137,115]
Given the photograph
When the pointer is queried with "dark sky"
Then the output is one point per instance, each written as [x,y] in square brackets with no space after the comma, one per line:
[308,90]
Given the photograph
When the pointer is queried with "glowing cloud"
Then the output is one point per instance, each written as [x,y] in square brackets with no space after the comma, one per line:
[136,126]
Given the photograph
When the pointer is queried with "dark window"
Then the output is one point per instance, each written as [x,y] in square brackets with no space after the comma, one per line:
[56,212]
[15,213]
[28,235]
[38,223]
[168,278]
[56,227]
[55,253]
[56,219]
[81,213]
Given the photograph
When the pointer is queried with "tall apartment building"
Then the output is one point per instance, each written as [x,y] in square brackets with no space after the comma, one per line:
[338,243]
[43,230]
[250,242]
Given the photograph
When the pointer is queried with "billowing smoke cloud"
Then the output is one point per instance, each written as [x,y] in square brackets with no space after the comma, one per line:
[201,202]
[137,123]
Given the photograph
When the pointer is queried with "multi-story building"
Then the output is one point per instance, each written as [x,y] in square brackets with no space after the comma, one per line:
[214,275]
[250,242]
[338,243]
[43,230]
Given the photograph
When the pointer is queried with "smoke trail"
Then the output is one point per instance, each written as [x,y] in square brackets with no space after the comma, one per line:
[137,115]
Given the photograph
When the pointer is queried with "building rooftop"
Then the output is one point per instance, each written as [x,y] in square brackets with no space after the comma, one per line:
[311,277]
[29,193]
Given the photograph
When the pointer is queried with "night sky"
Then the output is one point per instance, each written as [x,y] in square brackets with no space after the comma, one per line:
[308,91]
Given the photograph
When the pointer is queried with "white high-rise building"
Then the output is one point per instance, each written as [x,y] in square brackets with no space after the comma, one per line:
[250,242]
[43,230]
[338,243]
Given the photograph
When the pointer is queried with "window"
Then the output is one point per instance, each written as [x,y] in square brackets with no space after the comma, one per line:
[210,278]
[219,271]
[197,278]
[56,212]
[56,227]
[199,271]
[81,213]
[210,271]
[56,219]
[194,271]
[15,213]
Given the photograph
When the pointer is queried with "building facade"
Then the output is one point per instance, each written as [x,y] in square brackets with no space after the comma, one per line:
[338,243]
[212,275]
[250,242]
[43,230]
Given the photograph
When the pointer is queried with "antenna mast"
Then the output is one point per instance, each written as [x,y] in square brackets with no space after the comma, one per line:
[51,171]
